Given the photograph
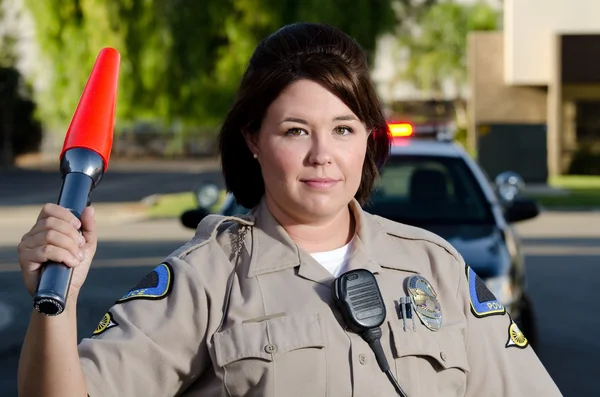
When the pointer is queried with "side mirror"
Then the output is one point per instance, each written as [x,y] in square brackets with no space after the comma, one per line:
[191,218]
[508,186]
[207,194]
[520,209]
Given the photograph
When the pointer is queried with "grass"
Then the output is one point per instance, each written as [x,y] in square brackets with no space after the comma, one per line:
[173,205]
[582,191]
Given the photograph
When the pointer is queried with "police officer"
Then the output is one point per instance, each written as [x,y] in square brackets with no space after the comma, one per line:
[245,307]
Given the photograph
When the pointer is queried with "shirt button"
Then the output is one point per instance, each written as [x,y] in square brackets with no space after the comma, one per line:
[271,348]
[443,356]
[362,359]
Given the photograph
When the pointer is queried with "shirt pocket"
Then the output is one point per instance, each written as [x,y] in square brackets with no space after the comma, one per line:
[428,362]
[275,357]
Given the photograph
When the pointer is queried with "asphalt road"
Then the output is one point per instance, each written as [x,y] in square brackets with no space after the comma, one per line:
[563,257]
[123,181]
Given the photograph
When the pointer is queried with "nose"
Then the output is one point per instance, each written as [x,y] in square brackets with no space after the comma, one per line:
[320,151]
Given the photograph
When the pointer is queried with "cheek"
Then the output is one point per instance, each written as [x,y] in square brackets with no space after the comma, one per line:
[355,158]
[282,162]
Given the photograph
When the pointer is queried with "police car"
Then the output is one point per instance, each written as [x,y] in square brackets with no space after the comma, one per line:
[431,182]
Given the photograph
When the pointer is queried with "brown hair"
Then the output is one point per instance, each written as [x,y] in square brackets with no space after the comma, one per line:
[311,51]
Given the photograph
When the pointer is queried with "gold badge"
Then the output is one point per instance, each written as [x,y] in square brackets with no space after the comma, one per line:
[106,323]
[425,302]
[516,338]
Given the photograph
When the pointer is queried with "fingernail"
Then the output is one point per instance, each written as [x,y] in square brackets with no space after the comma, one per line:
[81,240]
[75,262]
[81,255]
[76,223]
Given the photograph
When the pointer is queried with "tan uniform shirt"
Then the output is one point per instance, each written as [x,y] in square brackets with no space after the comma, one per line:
[281,334]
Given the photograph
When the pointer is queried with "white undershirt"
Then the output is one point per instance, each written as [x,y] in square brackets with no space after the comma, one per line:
[335,261]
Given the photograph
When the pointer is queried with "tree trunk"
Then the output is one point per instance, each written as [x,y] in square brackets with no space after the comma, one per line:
[7,156]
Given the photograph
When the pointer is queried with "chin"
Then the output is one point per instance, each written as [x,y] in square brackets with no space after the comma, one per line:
[321,207]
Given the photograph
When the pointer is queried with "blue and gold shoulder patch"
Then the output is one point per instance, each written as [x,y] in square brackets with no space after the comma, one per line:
[154,286]
[483,302]
[106,323]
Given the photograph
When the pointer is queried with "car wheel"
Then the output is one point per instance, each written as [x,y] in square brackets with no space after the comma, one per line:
[527,321]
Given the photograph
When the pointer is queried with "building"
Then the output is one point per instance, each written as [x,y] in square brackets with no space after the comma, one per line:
[535,89]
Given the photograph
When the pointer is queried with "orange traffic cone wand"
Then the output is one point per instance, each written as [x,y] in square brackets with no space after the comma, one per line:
[83,161]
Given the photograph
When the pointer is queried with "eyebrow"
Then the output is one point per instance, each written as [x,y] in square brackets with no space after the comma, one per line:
[347,117]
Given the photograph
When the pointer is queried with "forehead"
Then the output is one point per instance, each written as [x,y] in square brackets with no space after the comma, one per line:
[307,97]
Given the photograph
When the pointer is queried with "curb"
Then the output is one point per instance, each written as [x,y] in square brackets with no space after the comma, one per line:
[569,209]
[104,212]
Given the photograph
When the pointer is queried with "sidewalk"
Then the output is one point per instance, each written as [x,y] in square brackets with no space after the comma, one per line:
[107,212]
[543,189]
[189,164]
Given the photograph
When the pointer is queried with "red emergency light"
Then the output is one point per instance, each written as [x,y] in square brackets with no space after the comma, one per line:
[400,129]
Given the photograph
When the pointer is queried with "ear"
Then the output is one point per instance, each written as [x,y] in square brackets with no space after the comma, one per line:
[251,141]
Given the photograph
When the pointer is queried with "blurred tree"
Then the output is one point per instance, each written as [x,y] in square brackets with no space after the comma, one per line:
[70,34]
[20,132]
[181,59]
[438,48]
[409,13]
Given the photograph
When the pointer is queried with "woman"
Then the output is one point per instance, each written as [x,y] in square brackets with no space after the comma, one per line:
[245,308]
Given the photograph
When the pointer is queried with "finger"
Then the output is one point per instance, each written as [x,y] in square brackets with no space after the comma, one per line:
[88,225]
[34,257]
[52,238]
[56,211]
[58,225]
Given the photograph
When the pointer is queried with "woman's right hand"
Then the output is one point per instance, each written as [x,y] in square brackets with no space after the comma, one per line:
[55,237]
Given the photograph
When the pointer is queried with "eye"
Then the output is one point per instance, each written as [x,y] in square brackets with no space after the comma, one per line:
[342,130]
[295,131]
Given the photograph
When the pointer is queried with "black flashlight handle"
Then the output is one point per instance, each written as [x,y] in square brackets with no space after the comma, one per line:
[82,170]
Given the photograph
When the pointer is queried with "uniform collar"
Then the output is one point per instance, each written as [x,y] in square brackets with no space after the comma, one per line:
[273,249]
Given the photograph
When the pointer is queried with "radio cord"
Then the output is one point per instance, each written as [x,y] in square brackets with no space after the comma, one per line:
[372,337]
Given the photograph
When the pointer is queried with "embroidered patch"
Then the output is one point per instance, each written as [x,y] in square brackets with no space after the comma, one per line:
[154,286]
[483,302]
[516,338]
[106,323]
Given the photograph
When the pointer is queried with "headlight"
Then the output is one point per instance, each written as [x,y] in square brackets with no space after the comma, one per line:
[502,289]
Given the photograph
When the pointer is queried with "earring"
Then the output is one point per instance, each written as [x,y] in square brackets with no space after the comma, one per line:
[255,155]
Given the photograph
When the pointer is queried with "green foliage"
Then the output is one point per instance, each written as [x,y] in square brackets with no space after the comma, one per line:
[181,60]
[438,47]
[70,33]
[409,13]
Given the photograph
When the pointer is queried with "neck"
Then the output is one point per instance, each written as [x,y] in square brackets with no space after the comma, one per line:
[317,235]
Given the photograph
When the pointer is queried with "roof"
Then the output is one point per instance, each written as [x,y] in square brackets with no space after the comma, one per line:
[429,147]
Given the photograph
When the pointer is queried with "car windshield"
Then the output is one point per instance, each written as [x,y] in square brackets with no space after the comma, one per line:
[422,190]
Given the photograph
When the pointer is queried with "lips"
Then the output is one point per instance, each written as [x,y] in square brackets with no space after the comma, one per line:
[320,183]
[319,180]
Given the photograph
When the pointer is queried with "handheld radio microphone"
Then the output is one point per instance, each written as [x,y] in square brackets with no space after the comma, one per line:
[83,161]
[357,295]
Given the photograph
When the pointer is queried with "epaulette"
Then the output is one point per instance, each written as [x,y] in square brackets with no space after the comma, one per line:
[208,229]
[409,232]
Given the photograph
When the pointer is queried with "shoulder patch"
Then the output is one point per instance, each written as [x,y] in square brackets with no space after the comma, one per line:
[516,338]
[483,302]
[155,285]
[106,323]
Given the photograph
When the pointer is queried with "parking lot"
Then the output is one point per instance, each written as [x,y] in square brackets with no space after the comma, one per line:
[563,259]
